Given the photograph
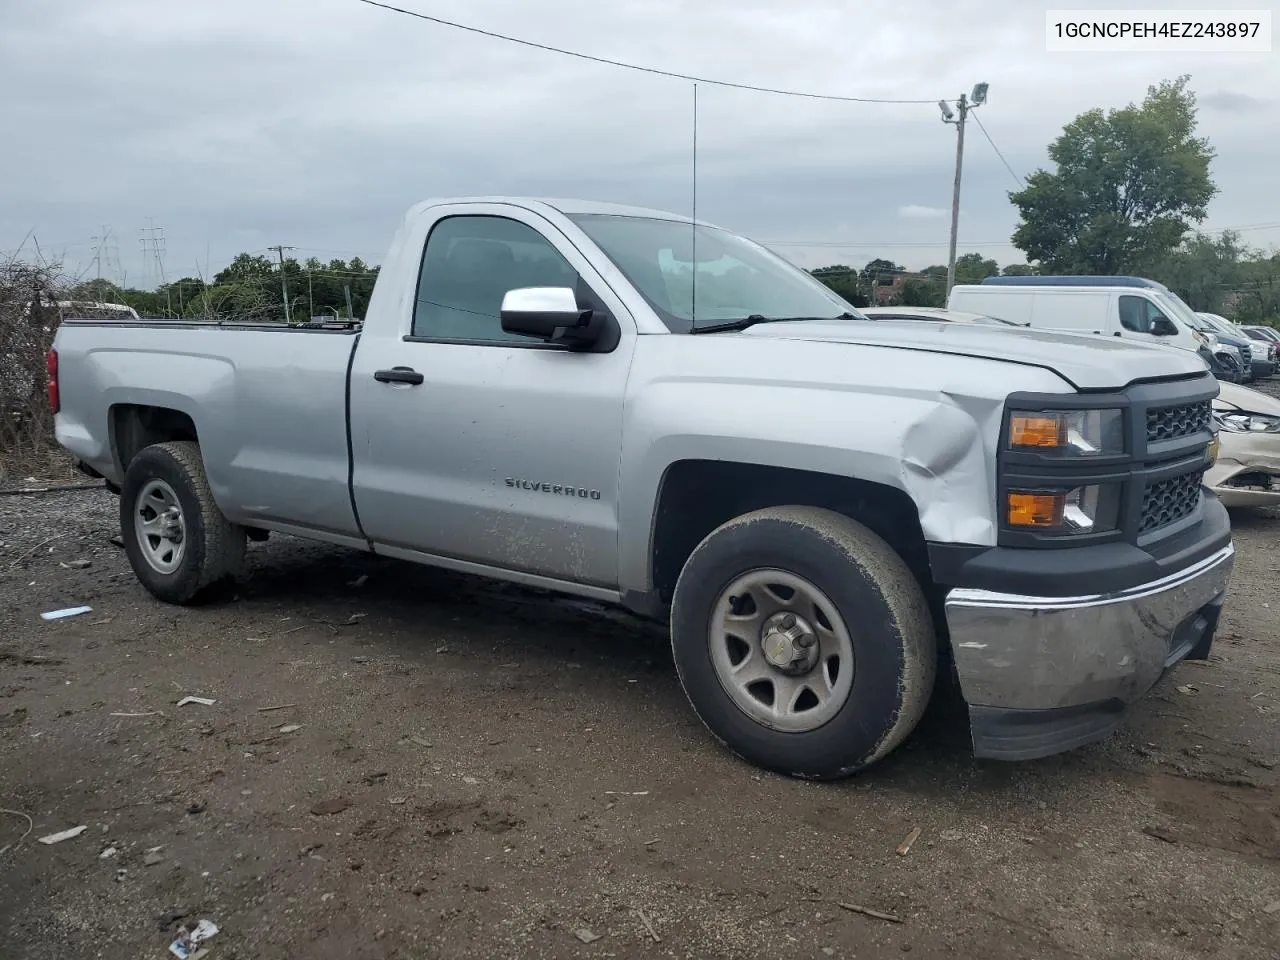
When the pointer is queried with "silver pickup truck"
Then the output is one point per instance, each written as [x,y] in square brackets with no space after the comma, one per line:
[628,406]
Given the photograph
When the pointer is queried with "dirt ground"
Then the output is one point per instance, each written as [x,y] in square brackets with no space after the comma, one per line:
[482,771]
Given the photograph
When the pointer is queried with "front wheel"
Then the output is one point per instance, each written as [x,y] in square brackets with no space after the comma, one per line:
[803,641]
[177,540]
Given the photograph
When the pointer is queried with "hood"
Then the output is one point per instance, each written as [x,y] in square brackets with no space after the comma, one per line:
[1242,398]
[1086,361]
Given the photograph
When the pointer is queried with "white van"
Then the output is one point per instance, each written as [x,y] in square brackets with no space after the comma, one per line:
[1129,307]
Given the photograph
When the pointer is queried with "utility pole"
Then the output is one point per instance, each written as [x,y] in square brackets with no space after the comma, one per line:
[958,116]
[284,282]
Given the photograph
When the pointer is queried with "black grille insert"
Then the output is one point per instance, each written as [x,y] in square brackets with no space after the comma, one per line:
[1168,501]
[1170,423]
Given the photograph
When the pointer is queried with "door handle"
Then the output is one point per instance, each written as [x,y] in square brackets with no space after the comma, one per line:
[399,375]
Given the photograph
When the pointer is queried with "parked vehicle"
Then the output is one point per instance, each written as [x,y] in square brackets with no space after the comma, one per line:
[1259,332]
[1223,361]
[935,314]
[1260,364]
[1231,351]
[1130,308]
[1247,471]
[631,407]
[1263,335]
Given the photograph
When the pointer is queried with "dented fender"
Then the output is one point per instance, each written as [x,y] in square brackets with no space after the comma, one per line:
[861,412]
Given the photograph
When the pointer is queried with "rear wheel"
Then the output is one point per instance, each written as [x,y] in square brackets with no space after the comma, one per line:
[177,540]
[803,641]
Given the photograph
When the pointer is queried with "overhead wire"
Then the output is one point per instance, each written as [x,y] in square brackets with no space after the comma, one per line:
[657,71]
[978,120]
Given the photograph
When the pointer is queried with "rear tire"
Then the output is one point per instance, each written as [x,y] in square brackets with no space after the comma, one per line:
[178,542]
[831,602]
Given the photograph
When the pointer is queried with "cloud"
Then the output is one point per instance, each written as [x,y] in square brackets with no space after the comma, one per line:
[320,125]
[913,211]
[1229,101]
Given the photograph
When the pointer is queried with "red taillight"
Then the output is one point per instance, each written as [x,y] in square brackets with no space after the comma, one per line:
[55,402]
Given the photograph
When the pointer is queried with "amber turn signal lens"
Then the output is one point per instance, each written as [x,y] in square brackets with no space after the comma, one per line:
[1032,431]
[1036,509]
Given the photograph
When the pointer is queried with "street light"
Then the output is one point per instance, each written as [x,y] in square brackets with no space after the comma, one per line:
[976,98]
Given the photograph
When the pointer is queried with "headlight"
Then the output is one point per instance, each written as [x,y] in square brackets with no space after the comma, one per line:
[1241,422]
[1068,433]
[1205,337]
[1087,509]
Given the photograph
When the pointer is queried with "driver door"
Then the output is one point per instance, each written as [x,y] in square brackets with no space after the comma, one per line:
[491,448]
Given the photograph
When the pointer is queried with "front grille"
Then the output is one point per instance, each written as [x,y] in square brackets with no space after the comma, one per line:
[1169,423]
[1168,501]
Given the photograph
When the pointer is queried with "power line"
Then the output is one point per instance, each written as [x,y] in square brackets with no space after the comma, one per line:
[839,244]
[978,121]
[632,66]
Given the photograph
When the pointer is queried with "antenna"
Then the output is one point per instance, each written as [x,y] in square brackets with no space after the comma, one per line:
[693,228]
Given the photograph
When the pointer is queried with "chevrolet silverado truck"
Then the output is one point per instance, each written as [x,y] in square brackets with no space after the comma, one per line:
[634,407]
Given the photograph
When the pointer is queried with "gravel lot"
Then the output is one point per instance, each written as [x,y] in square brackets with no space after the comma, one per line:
[482,771]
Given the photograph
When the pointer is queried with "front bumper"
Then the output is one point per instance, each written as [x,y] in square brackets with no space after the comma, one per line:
[1247,471]
[1046,674]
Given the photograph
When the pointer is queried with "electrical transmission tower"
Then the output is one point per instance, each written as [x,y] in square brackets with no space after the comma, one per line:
[153,245]
[106,256]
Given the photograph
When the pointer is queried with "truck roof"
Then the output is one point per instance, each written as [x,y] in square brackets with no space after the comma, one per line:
[1064,281]
[567,206]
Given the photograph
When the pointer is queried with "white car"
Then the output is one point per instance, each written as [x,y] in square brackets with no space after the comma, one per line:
[1247,471]
[936,314]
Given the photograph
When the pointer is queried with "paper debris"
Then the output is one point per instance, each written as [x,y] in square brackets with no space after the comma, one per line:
[64,835]
[203,701]
[586,936]
[290,728]
[187,946]
[905,847]
[65,612]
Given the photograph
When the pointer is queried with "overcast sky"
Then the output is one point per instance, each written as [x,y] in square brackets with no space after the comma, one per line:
[314,123]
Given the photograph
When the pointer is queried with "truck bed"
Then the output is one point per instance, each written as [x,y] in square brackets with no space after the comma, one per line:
[288,469]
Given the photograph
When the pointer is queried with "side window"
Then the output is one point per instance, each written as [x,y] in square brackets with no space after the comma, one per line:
[1138,313]
[468,266]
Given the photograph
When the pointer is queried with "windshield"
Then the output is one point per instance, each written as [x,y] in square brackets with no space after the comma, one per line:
[733,278]
[1221,327]
[1183,314]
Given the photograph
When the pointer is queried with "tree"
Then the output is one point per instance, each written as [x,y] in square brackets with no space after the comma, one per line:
[1018,270]
[1257,299]
[974,268]
[880,272]
[246,267]
[843,280]
[1128,184]
[925,293]
[1204,270]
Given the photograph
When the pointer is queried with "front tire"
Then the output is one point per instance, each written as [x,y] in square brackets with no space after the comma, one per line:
[177,540]
[803,641]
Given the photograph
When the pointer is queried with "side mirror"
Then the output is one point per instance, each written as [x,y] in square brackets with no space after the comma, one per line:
[551,314]
[1163,327]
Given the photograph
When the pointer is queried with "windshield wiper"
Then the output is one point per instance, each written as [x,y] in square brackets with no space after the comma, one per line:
[750,321]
